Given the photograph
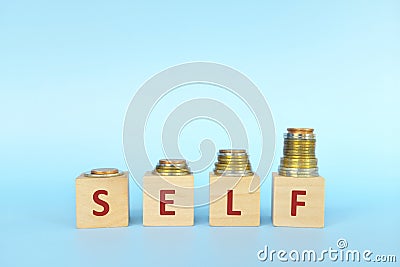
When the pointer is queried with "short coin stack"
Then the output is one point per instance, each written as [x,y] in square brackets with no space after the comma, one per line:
[233,162]
[299,153]
[172,167]
[103,173]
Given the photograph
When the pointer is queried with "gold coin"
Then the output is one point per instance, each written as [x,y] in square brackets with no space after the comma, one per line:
[233,173]
[298,165]
[172,174]
[296,153]
[172,165]
[287,154]
[171,170]
[172,161]
[300,130]
[299,141]
[299,161]
[232,157]
[309,150]
[232,151]
[233,163]
[101,171]
[299,148]
[233,168]
[299,156]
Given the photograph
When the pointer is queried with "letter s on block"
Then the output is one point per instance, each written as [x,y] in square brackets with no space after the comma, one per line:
[104,204]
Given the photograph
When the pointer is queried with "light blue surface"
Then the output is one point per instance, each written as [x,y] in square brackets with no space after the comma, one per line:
[67,74]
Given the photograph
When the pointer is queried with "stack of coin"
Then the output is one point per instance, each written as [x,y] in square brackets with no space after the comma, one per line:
[299,153]
[233,162]
[172,167]
[103,173]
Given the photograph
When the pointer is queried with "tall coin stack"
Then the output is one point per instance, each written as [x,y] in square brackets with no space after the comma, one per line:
[299,153]
[172,167]
[233,162]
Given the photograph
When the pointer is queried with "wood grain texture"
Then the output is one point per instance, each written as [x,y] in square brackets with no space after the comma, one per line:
[183,200]
[309,215]
[116,198]
[248,203]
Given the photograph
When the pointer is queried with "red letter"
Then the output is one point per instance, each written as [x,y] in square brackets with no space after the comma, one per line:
[163,201]
[296,203]
[229,208]
[97,200]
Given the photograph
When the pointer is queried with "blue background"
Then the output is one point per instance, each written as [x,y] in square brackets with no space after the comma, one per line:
[69,69]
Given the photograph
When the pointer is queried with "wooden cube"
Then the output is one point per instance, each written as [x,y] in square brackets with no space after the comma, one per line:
[297,202]
[231,201]
[168,200]
[102,202]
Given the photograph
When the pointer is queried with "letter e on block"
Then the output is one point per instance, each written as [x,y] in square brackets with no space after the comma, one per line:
[168,200]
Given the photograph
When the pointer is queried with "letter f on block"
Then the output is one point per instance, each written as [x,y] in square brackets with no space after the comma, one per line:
[296,203]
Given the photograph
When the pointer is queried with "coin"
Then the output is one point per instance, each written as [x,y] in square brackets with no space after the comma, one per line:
[299,153]
[299,156]
[172,161]
[299,166]
[171,174]
[299,160]
[297,175]
[171,167]
[246,163]
[171,170]
[234,168]
[290,136]
[300,130]
[233,173]
[299,149]
[300,141]
[104,171]
[232,156]
[233,162]
[232,151]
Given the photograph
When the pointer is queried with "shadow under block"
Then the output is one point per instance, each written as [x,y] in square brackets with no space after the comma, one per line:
[102,202]
[298,202]
[239,207]
[168,200]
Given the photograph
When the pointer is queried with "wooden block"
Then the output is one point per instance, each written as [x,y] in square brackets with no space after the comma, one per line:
[102,202]
[168,200]
[297,202]
[232,203]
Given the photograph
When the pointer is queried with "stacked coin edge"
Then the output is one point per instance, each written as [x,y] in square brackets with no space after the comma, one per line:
[172,167]
[233,162]
[299,154]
